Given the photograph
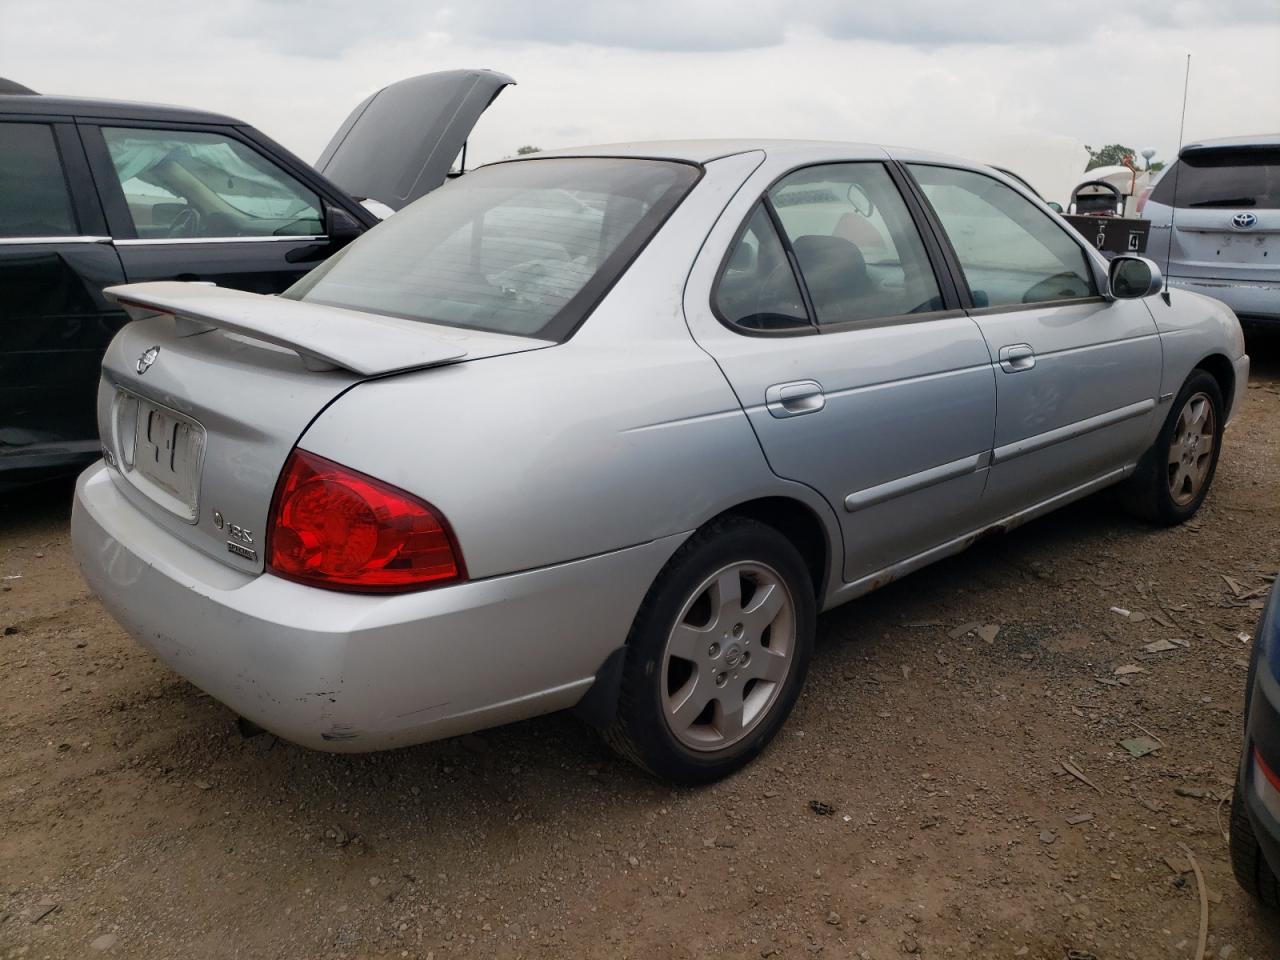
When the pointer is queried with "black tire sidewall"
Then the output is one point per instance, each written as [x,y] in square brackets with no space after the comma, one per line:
[1200,381]
[741,540]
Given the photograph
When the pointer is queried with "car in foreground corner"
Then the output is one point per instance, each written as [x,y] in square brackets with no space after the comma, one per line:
[101,192]
[607,428]
[1255,805]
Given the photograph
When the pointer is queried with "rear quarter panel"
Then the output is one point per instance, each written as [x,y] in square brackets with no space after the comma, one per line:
[556,454]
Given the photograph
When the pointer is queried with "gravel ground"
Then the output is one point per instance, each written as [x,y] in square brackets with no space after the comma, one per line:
[136,822]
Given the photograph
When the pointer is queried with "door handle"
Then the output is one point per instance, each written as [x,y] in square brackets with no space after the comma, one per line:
[1017,357]
[795,398]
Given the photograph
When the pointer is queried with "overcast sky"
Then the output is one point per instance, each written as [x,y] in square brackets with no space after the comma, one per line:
[1018,82]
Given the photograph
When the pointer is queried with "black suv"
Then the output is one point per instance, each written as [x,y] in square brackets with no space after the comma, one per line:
[96,192]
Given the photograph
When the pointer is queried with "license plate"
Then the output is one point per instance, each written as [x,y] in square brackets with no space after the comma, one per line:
[164,456]
[1240,248]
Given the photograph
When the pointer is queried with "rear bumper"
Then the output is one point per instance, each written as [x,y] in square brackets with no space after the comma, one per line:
[1256,300]
[352,673]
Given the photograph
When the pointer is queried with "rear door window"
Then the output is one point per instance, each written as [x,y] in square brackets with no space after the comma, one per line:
[1223,178]
[34,200]
[1010,250]
[184,184]
[857,247]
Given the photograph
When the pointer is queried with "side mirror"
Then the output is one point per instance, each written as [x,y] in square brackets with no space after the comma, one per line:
[1055,206]
[1132,278]
[340,226]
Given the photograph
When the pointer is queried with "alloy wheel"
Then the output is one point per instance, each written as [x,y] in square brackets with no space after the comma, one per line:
[728,655]
[1191,448]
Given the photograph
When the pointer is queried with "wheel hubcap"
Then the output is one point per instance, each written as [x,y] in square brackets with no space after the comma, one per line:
[1191,449]
[728,655]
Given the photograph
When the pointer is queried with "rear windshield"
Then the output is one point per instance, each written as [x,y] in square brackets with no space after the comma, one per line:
[1223,178]
[522,248]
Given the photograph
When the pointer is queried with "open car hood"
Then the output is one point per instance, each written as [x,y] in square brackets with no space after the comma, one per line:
[401,142]
[13,86]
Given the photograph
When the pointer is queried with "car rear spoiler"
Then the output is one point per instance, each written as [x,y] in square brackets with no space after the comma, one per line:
[1199,151]
[326,338]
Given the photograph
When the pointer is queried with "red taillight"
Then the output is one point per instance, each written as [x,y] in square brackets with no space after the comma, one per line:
[1142,200]
[333,527]
[1272,777]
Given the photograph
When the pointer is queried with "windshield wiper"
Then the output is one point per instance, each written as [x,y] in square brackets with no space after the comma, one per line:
[1228,202]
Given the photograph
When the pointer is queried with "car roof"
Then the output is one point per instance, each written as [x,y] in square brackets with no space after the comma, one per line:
[39,104]
[704,151]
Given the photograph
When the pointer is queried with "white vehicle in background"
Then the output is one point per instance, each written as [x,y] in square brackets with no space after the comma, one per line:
[1113,191]
[1103,208]
[1215,222]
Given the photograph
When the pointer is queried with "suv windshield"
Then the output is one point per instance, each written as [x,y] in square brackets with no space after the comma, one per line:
[1223,178]
[521,248]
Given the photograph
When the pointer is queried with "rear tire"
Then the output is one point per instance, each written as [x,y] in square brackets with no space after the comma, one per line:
[1247,861]
[1174,476]
[717,654]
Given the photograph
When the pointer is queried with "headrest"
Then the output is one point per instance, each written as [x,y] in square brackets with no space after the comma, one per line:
[831,263]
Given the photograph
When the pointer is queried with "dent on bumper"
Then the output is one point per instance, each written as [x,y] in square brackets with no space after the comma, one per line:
[348,672]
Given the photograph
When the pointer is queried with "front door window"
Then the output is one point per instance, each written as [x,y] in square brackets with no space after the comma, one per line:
[182,184]
[1010,250]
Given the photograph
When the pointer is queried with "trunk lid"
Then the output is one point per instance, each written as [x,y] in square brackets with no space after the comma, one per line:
[204,395]
[401,142]
[1225,243]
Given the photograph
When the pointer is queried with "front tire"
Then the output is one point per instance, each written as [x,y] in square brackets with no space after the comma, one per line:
[717,654]
[1173,477]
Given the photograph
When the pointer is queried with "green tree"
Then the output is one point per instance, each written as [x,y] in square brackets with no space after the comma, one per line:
[1108,156]
[521,151]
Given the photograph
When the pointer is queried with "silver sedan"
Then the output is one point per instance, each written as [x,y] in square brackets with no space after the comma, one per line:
[607,428]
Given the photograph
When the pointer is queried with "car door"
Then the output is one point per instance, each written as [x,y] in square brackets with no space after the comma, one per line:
[1077,374]
[840,336]
[55,258]
[197,202]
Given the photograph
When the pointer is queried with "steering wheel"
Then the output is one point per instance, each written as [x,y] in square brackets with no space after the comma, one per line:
[185,224]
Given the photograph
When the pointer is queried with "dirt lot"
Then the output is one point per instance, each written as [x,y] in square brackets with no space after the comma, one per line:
[136,822]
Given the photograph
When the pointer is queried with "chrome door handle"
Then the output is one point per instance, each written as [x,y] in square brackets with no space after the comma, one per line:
[795,398]
[1017,357]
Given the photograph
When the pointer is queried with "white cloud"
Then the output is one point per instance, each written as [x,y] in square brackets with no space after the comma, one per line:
[1008,82]
[730,24]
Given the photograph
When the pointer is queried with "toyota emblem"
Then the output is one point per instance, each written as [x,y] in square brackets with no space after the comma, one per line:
[147,359]
[1243,221]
